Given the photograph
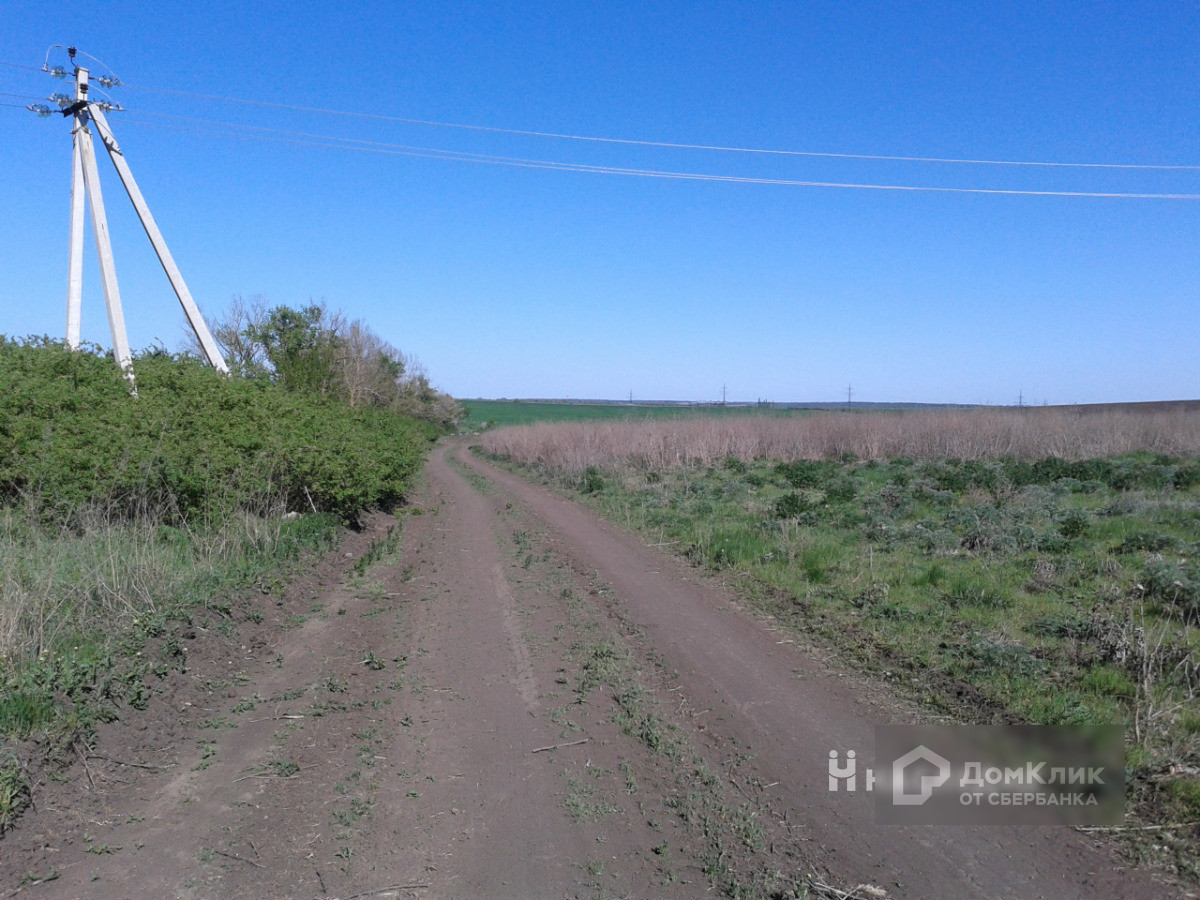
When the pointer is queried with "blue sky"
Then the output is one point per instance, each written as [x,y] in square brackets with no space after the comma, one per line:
[511,281]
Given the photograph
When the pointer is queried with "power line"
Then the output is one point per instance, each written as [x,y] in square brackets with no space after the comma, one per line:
[659,144]
[262,133]
[332,142]
[663,144]
[13,65]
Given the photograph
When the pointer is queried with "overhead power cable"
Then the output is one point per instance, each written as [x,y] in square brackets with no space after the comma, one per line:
[662,144]
[13,65]
[254,132]
[305,138]
[659,144]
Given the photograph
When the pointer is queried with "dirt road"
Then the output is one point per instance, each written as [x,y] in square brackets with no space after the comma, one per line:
[518,701]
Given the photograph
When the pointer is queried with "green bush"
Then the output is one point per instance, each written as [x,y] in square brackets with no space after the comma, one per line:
[790,505]
[193,443]
[1174,582]
[806,473]
[1187,476]
[1074,523]
[733,464]
[592,481]
[1107,680]
[1147,541]
[841,490]
[1120,474]
[959,474]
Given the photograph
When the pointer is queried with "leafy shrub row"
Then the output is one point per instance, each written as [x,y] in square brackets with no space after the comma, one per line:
[1085,475]
[192,443]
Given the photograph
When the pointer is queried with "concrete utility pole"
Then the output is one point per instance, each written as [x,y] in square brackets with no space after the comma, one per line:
[84,162]
[85,183]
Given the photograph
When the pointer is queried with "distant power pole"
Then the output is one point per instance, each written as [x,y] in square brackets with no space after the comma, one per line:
[722,395]
[1021,399]
[85,184]
[849,394]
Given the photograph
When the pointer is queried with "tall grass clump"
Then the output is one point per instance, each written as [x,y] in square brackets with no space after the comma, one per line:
[80,603]
[65,586]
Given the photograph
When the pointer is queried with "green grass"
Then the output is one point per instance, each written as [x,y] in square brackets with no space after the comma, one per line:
[14,791]
[90,628]
[582,804]
[497,413]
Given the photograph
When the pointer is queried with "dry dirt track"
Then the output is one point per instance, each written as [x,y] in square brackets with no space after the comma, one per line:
[523,702]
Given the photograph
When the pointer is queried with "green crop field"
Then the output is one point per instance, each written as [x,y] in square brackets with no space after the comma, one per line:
[498,413]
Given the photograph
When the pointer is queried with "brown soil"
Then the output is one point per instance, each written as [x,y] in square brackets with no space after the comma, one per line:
[523,702]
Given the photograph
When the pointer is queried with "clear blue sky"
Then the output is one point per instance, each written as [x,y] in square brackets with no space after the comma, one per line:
[511,281]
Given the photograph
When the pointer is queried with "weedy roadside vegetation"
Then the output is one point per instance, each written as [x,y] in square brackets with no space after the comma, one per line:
[125,523]
[1029,580]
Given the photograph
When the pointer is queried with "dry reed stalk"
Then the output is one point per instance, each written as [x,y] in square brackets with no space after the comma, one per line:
[665,444]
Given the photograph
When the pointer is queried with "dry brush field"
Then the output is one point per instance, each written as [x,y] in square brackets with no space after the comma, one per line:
[1032,433]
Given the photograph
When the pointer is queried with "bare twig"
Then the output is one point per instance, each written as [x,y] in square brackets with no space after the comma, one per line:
[277,774]
[121,762]
[1088,829]
[557,746]
[861,892]
[382,890]
[239,858]
[83,759]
